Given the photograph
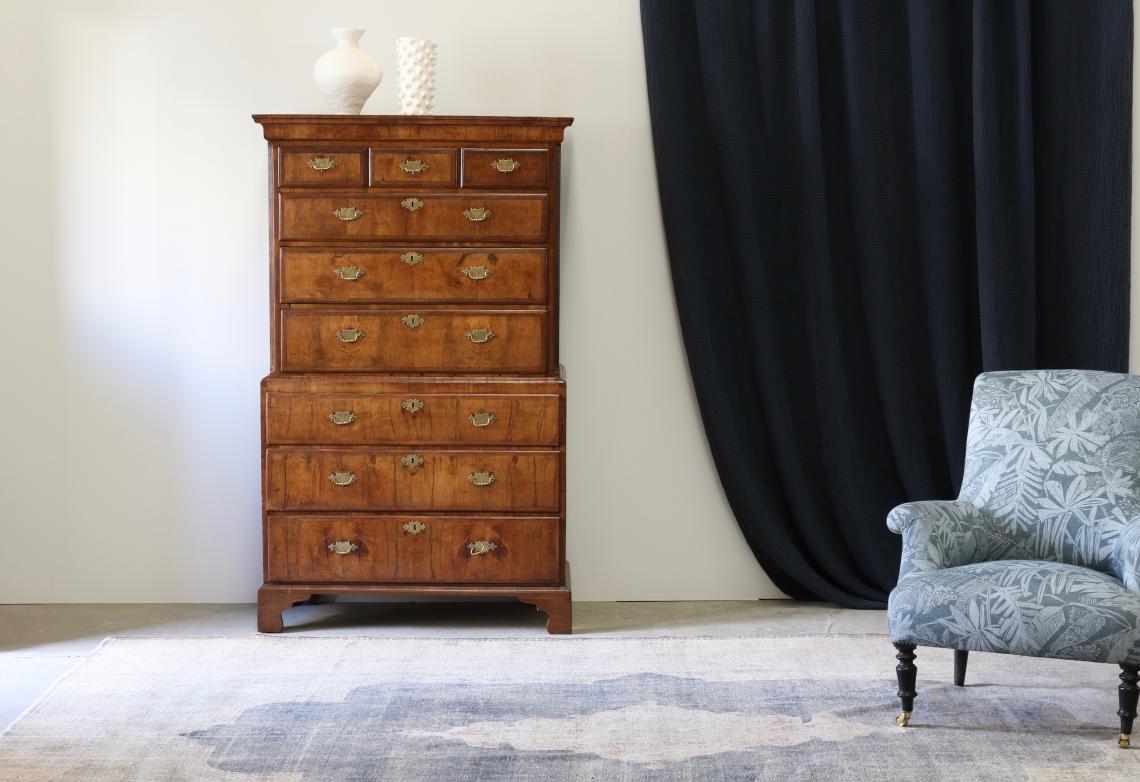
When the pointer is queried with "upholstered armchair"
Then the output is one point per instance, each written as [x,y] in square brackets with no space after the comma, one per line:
[1040,553]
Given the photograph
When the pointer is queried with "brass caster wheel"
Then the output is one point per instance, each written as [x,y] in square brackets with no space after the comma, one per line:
[1125,740]
[904,719]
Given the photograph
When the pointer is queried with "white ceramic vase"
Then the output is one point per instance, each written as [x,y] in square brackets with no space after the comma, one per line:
[346,75]
[415,74]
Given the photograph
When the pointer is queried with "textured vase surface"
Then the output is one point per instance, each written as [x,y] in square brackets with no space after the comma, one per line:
[415,74]
[346,75]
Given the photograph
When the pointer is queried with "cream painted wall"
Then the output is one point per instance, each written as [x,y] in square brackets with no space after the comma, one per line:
[134,327]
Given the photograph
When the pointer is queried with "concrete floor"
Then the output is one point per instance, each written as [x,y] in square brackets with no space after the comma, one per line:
[39,643]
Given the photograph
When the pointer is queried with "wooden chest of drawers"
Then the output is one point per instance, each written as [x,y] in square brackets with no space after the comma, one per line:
[413,422]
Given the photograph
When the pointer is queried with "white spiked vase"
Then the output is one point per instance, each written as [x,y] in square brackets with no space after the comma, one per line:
[346,75]
[415,74]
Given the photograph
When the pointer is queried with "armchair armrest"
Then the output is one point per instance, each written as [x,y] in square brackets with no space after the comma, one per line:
[1126,555]
[941,534]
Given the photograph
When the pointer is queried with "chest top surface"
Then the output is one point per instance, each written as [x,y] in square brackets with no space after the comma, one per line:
[395,127]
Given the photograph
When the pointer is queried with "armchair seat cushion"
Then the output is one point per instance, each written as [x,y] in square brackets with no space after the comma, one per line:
[1041,609]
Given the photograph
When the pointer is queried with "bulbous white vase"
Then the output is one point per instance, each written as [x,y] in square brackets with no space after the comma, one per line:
[415,74]
[346,75]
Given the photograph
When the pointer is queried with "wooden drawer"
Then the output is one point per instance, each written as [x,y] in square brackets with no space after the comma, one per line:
[421,419]
[517,168]
[420,340]
[413,549]
[410,216]
[412,479]
[409,167]
[342,167]
[422,275]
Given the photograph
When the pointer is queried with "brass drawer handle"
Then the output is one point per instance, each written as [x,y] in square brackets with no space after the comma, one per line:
[411,258]
[412,321]
[322,162]
[482,418]
[479,336]
[350,335]
[482,478]
[343,547]
[477,214]
[414,167]
[411,405]
[412,204]
[349,272]
[477,272]
[477,547]
[412,461]
[348,213]
[342,417]
[343,478]
[506,165]
[414,527]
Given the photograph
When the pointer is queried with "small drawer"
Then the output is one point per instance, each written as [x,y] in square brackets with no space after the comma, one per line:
[412,479]
[404,167]
[514,168]
[343,167]
[338,549]
[411,215]
[411,418]
[380,276]
[426,339]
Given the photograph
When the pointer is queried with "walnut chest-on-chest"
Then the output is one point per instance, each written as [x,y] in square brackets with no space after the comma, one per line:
[413,422]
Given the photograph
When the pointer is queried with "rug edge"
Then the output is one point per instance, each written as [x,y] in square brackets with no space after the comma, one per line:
[35,705]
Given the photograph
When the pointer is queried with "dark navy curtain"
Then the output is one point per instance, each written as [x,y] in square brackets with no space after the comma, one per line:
[866,204]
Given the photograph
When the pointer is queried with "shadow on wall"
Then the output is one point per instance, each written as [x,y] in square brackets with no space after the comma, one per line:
[140,312]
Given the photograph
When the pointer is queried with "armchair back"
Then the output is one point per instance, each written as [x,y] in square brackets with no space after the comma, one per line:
[1054,457]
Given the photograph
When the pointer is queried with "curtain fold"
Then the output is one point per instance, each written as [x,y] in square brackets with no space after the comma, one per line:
[866,204]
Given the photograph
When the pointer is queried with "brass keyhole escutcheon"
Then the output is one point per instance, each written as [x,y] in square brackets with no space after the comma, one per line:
[321,162]
[348,213]
[411,258]
[349,272]
[414,167]
[477,272]
[412,461]
[482,418]
[415,527]
[412,204]
[411,405]
[342,417]
[412,321]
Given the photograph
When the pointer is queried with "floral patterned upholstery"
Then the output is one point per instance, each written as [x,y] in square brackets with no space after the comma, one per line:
[1041,609]
[1040,553]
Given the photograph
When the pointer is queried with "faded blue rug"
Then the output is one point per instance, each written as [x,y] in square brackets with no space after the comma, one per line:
[320,710]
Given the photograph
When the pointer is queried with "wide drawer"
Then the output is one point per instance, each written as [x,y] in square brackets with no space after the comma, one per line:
[421,340]
[390,419]
[407,215]
[423,275]
[413,549]
[412,479]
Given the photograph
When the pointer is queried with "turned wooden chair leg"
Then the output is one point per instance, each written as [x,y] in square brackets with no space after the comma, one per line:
[1129,695]
[961,656]
[907,674]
